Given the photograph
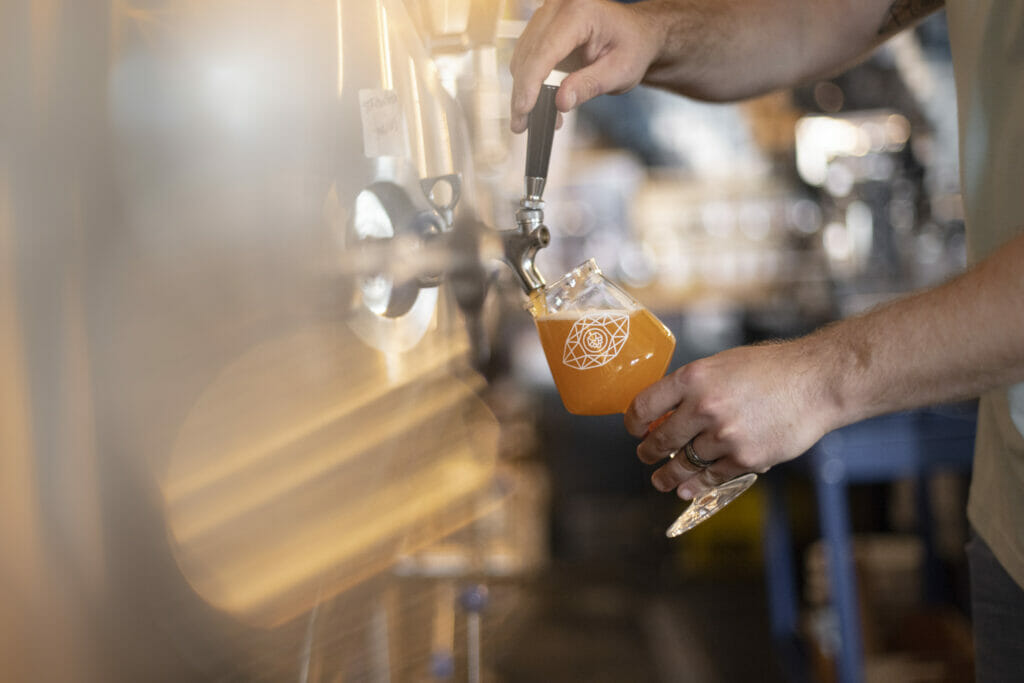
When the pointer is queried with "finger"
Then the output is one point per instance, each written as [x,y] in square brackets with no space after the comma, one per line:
[541,47]
[524,85]
[668,437]
[708,448]
[722,471]
[676,472]
[657,423]
[601,77]
[531,35]
[680,470]
[651,403]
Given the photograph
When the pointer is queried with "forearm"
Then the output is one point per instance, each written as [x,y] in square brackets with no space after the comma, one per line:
[751,407]
[953,342]
[708,49]
[731,49]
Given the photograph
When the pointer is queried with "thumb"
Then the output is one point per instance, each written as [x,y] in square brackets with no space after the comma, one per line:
[599,78]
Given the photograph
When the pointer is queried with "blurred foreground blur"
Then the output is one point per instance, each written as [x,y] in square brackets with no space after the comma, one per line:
[236,404]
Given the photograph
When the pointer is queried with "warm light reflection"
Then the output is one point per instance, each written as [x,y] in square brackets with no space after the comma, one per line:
[341,50]
[300,473]
[821,139]
[384,41]
[202,428]
[417,110]
[22,572]
[449,16]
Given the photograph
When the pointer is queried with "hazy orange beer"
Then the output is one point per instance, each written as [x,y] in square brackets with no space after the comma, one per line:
[602,346]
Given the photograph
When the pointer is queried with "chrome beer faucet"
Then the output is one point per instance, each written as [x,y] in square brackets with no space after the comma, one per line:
[530,234]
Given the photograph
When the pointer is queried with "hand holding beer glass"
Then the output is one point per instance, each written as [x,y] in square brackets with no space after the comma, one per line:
[603,348]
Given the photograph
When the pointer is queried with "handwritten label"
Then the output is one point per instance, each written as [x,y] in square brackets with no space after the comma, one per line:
[384,132]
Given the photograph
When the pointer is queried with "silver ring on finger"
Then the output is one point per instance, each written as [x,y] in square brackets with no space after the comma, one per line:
[695,460]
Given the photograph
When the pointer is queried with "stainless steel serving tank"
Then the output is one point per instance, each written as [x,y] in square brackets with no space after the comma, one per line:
[235,389]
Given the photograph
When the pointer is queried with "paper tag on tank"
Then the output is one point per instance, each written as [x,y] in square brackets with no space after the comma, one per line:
[384,132]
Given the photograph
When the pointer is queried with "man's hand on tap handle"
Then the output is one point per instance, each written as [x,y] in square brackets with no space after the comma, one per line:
[612,44]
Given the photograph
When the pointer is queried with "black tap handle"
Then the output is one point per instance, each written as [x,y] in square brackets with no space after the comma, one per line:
[540,133]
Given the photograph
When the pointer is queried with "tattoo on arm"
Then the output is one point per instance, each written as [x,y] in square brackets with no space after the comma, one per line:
[903,13]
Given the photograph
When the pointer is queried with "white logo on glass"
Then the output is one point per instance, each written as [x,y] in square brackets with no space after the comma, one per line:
[595,339]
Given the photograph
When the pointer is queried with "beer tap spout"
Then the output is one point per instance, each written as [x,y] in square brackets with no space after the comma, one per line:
[522,244]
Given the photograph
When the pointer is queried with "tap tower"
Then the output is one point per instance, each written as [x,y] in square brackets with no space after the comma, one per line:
[531,235]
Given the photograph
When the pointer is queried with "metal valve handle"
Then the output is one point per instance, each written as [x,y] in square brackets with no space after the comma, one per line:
[539,136]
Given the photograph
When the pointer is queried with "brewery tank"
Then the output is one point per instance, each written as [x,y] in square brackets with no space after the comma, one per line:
[238,389]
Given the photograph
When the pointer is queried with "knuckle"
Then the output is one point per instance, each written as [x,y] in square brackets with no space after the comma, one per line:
[589,86]
[661,441]
[642,407]
[681,375]
[699,369]
[708,478]
[524,98]
[626,75]
[690,375]
[705,406]
[722,440]
[747,459]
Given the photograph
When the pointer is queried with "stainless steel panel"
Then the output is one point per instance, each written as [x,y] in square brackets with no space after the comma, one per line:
[209,431]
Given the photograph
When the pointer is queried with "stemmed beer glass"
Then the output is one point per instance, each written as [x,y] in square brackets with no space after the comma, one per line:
[603,348]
